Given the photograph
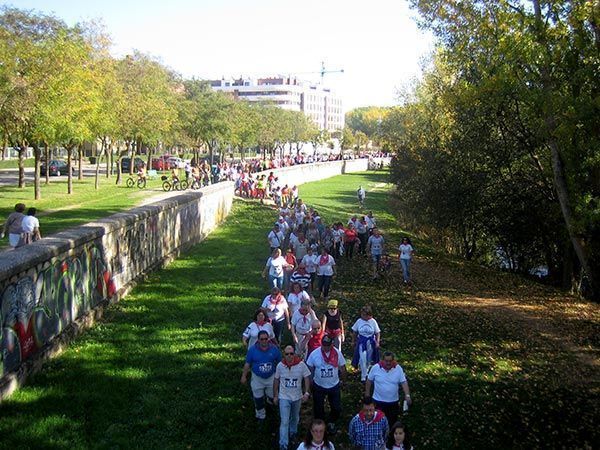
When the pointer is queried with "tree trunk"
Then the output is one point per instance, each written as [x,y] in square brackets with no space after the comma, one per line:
[36,175]
[97,174]
[558,171]
[80,162]
[4,147]
[109,157]
[22,150]
[47,158]
[69,171]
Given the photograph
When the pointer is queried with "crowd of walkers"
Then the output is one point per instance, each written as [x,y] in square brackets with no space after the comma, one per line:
[299,310]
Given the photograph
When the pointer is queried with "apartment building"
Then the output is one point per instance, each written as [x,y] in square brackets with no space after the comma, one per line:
[318,103]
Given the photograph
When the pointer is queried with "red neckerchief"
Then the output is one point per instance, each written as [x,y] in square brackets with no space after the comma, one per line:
[323,260]
[277,300]
[332,359]
[382,365]
[304,317]
[376,418]
[260,324]
[314,446]
[297,360]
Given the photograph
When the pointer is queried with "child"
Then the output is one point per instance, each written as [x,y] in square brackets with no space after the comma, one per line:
[366,341]
[398,438]
[333,324]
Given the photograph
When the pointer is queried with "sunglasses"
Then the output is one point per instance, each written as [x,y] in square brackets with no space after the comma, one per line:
[263,339]
[289,354]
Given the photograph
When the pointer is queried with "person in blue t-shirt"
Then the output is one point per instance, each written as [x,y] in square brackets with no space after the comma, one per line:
[262,360]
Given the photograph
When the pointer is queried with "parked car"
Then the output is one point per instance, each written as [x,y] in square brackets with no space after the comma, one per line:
[57,167]
[161,163]
[176,163]
[126,163]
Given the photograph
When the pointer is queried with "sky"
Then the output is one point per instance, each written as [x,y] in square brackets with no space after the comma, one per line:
[377,43]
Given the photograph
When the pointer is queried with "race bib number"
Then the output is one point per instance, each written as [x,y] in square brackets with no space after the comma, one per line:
[290,382]
[327,372]
[265,367]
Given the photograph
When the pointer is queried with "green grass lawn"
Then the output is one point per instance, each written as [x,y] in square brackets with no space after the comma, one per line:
[58,210]
[14,163]
[162,369]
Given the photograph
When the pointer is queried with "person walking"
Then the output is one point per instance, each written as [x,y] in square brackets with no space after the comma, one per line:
[361,194]
[258,324]
[327,365]
[261,360]
[398,438]
[316,438]
[325,273]
[406,253]
[310,263]
[275,237]
[275,269]
[31,227]
[369,428]
[376,247]
[14,226]
[278,312]
[388,377]
[366,341]
[333,324]
[301,326]
[288,394]
[350,240]
[316,335]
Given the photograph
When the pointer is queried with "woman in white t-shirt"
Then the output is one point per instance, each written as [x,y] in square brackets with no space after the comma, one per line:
[325,272]
[260,323]
[366,334]
[310,263]
[296,296]
[274,268]
[316,438]
[406,253]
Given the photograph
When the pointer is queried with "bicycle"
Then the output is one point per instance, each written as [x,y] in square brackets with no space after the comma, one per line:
[175,184]
[140,182]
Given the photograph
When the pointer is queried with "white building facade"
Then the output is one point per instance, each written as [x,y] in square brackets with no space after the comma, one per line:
[319,104]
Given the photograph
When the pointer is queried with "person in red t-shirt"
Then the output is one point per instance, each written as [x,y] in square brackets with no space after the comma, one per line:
[350,239]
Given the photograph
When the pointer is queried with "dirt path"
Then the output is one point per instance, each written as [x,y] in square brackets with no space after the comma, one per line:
[552,320]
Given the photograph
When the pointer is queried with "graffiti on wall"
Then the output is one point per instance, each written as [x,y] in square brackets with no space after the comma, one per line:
[37,305]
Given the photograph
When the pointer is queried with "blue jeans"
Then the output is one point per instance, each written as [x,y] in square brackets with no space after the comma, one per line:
[289,412]
[405,263]
[276,282]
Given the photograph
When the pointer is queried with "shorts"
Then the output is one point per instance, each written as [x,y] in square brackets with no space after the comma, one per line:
[14,239]
[261,386]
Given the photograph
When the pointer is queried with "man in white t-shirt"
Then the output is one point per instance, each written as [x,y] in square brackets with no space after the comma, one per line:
[406,251]
[287,389]
[327,364]
[275,237]
[31,227]
[388,376]
[375,246]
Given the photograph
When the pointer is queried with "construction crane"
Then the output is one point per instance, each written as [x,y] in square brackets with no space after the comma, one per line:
[322,72]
